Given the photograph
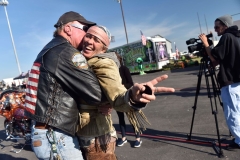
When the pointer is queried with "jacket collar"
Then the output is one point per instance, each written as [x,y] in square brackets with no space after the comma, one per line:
[233,30]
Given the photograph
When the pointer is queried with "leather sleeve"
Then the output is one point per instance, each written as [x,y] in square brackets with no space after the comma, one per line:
[82,82]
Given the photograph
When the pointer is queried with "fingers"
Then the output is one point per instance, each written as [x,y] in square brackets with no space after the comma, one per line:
[157,80]
[202,36]
[163,89]
[139,96]
[137,89]
[146,98]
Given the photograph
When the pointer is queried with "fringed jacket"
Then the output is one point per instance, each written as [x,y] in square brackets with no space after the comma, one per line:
[94,123]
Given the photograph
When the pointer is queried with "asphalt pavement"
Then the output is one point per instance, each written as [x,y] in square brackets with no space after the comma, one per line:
[168,137]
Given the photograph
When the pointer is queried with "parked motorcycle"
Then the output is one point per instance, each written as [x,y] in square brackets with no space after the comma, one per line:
[17,125]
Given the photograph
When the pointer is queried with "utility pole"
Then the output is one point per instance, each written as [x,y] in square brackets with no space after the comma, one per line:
[206,23]
[120,2]
[199,23]
[4,3]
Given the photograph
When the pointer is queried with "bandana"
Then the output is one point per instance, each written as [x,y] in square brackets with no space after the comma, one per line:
[99,33]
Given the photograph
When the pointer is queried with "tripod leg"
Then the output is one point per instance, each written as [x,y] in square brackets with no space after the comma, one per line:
[196,96]
[219,149]
[214,112]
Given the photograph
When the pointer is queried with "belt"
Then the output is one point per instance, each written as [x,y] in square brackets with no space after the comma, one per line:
[39,125]
[84,106]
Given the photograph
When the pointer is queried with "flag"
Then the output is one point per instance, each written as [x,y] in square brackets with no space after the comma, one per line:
[176,50]
[144,40]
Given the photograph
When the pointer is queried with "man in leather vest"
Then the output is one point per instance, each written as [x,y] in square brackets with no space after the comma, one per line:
[58,79]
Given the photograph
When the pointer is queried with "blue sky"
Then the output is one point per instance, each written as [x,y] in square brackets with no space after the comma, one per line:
[32,23]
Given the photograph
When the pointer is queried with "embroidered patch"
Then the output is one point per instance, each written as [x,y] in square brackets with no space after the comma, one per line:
[79,61]
[37,143]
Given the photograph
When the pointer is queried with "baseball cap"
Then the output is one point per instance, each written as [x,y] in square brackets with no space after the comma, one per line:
[72,16]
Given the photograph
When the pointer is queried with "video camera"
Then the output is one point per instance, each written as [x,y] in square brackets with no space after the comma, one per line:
[199,46]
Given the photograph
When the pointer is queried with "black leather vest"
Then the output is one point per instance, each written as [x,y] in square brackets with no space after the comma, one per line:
[59,85]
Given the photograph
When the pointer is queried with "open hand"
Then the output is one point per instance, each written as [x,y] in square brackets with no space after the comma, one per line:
[137,90]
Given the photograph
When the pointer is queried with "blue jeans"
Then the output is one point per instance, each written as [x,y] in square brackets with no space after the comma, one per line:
[231,103]
[67,146]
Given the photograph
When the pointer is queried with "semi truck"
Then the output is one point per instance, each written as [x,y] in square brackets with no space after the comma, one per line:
[155,54]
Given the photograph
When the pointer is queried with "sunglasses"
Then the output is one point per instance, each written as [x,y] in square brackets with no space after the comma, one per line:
[216,27]
[79,26]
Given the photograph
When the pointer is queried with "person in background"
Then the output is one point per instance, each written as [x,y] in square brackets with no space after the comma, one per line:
[13,84]
[227,54]
[127,82]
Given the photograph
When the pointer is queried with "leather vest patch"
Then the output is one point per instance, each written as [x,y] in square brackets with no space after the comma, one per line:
[79,61]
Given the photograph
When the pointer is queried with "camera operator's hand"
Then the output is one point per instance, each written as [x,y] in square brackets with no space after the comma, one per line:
[138,89]
[204,39]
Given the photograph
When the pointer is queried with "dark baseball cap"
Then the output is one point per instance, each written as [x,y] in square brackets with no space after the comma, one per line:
[72,16]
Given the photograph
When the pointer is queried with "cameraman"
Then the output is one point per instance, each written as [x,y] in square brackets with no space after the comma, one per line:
[227,55]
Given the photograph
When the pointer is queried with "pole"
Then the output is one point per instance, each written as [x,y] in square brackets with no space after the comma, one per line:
[235,14]
[120,2]
[199,23]
[206,23]
[4,4]
[176,53]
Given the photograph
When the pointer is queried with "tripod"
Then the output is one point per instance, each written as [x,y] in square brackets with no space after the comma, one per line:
[209,72]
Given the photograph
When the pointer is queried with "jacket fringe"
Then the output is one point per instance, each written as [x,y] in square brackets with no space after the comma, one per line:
[138,120]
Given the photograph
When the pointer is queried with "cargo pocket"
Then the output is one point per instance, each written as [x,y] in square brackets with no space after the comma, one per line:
[84,119]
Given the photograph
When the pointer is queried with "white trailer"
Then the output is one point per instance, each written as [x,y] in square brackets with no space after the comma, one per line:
[155,54]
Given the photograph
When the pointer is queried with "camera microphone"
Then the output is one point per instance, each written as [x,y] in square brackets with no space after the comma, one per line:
[193,40]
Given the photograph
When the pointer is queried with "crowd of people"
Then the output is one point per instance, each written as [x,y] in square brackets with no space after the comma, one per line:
[74,84]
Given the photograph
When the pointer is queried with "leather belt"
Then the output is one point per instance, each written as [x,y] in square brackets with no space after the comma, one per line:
[84,106]
[39,125]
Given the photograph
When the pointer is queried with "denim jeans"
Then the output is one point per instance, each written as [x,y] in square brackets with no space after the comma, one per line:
[231,103]
[67,146]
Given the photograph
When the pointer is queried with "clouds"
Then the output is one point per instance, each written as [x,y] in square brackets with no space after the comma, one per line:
[150,27]
[32,24]
[153,24]
[35,40]
[30,44]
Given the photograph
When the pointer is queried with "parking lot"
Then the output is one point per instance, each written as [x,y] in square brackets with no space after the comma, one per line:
[170,117]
